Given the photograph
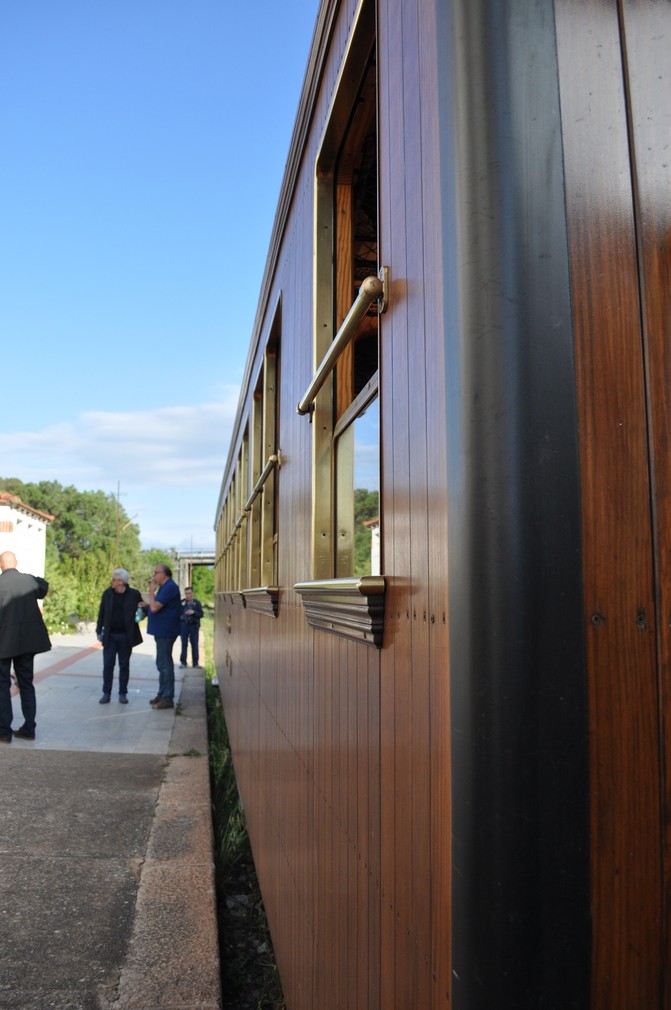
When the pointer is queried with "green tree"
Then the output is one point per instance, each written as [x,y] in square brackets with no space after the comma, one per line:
[366,507]
[147,562]
[84,521]
[61,603]
[203,584]
[12,485]
[89,537]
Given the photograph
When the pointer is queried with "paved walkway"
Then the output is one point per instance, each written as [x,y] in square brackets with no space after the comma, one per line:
[107,895]
[69,683]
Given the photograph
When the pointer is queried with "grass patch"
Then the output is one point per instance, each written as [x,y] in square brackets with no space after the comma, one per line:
[249,976]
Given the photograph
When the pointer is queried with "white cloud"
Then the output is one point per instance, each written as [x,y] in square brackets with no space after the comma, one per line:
[168,463]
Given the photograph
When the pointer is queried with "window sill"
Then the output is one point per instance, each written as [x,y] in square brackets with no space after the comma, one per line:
[351,608]
[235,598]
[263,600]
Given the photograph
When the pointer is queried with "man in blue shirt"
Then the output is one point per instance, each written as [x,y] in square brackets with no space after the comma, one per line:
[165,610]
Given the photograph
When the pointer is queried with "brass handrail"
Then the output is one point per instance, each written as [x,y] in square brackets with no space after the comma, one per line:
[238,523]
[372,288]
[366,585]
[273,461]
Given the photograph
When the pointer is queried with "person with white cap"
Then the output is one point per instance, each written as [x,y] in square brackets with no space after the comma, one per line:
[118,630]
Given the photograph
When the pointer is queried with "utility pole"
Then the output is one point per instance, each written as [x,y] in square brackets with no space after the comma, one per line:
[118,520]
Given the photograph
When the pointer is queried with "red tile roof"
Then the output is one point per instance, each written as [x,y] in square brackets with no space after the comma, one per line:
[14,502]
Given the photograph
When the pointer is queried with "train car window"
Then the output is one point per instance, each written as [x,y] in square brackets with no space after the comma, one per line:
[242,483]
[228,530]
[219,556]
[262,512]
[269,508]
[357,495]
[229,519]
[356,229]
[346,236]
[256,463]
[246,565]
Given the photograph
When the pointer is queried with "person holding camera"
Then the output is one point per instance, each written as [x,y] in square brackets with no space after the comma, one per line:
[192,611]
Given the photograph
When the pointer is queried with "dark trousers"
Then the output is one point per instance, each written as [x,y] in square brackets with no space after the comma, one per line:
[117,645]
[166,667]
[189,634]
[23,668]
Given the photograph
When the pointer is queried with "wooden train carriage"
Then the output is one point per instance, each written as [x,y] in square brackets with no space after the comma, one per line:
[444,529]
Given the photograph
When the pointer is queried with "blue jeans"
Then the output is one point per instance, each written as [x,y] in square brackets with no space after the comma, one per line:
[117,645]
[166,667]
[189,634]
[23,668]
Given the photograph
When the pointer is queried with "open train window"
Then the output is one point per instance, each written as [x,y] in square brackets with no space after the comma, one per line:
[356,432]
[224,562]
[231,561]
[261,592]
[343,396]
[219,563]
[246,562]
[240,528]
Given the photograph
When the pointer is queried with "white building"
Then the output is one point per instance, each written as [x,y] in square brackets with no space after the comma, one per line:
[23,530]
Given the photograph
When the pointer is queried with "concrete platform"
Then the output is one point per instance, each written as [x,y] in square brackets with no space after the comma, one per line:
[107,899]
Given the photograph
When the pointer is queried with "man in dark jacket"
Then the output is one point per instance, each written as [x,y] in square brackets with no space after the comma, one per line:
[192,611]
[119,632]
[22,635]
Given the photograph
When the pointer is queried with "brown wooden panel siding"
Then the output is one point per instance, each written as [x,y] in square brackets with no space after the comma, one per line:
[618,575]
[318,737]
[334,742]
[647,30]
[395,509]
[322,860]
[418,949]
[408,674]
[438,742]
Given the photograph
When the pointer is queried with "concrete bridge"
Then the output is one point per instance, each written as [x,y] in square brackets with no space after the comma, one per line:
[185,561]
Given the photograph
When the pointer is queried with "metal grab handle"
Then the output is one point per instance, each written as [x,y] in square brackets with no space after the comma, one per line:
[273,461]
[238,522]
[371,289]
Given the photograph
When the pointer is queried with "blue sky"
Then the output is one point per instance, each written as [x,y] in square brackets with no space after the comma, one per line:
[143,148]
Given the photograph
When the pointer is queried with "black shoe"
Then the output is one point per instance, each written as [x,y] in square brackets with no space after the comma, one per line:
[5,739]
[123,699]
[104,699]
[24,733]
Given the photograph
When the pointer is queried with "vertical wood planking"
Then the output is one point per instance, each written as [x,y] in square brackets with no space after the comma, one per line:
[438,735]
[419,361]
[618,550]
[393,403]
[344,735]
[647,30]
[406,677]
[387,526]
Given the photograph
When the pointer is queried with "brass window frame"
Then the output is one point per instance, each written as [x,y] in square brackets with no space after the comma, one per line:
[261,592]
[360,47]
[351,607]
[246,535]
